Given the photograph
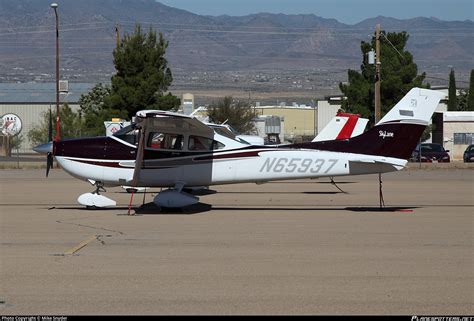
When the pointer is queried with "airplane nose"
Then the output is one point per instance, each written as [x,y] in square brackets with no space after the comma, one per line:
[44,148]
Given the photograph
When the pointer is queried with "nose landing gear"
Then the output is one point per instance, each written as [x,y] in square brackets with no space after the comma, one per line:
[94,199]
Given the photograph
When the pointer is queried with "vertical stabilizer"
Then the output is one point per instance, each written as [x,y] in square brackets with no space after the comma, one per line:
[396,134]
[416,107]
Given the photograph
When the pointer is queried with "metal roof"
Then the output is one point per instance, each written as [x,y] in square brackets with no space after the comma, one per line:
[458,116]
[35,93]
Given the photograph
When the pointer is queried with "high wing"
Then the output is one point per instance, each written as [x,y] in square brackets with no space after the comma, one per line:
[160,120]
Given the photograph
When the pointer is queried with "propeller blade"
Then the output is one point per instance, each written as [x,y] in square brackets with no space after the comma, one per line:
[49,156]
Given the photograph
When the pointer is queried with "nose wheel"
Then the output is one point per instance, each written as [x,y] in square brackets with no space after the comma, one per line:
[94,199]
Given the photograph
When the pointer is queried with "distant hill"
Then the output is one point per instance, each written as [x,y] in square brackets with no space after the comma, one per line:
[258,42]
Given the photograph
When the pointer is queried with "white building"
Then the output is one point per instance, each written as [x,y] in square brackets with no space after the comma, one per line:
[454,130]
[30,101]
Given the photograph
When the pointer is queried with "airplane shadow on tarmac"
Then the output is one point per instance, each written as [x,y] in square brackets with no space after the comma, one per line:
[352,209]
[146,209]
[152,209]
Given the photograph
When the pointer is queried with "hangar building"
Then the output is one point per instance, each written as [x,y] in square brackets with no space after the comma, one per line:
[30,100]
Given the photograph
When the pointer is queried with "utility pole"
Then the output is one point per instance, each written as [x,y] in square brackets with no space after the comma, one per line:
[377,74]
[57,137]
[117,35]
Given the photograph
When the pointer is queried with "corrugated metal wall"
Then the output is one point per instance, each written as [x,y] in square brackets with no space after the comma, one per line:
[31,116]
[326,112]
[298,121]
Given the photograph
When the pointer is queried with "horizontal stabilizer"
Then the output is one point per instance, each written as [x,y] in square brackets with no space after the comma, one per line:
[373,161]
[360,167]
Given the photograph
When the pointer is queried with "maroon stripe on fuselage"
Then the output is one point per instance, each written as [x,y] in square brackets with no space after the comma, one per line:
[252,153]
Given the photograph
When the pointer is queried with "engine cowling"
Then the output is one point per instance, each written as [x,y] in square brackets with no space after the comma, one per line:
[175,199]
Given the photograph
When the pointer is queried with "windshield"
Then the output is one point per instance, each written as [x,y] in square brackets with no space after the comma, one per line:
[128,134]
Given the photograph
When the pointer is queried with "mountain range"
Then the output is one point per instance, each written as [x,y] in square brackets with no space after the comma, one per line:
[198,44]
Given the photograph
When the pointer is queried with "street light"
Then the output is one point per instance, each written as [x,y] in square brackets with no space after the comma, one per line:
[55,6]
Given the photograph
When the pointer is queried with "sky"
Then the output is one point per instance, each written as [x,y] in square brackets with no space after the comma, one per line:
[346,11]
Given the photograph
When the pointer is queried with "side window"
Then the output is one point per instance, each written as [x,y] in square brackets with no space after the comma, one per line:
[217,145]
[199,143]
[165,141]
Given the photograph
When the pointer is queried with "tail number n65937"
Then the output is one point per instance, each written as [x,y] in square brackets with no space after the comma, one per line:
[298,165]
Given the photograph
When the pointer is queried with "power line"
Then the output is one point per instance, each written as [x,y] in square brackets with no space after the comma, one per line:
[447,80]
[48,31]
[383,34]
[247,29]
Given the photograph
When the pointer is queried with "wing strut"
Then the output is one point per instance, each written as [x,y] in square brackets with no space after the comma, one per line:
[138,161]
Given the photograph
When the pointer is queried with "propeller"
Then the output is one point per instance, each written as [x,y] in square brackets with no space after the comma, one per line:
[49,156]
[47,148]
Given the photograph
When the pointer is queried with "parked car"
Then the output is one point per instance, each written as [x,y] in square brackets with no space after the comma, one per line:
[431,152]
[469,154]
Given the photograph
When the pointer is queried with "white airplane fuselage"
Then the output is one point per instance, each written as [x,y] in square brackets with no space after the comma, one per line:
[258,165]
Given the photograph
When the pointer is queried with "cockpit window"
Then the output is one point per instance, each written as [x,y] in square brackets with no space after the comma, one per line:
[165,141]
[198,143]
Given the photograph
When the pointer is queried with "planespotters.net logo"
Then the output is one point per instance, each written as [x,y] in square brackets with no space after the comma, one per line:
[432,318]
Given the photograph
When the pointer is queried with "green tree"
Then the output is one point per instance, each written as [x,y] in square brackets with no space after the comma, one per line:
[71,126]
[427,132]
[16,141]
[94,99]
[399,74]
[237,114]
[452,99]
[94,111]
[470,100]
[143,75]
[462,100]
[11,143]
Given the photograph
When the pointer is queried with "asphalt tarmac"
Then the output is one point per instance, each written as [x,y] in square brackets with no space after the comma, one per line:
[296,247]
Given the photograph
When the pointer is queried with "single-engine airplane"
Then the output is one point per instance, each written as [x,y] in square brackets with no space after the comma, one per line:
[178,152]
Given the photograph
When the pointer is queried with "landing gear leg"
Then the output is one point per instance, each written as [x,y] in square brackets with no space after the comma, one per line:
[99,187]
